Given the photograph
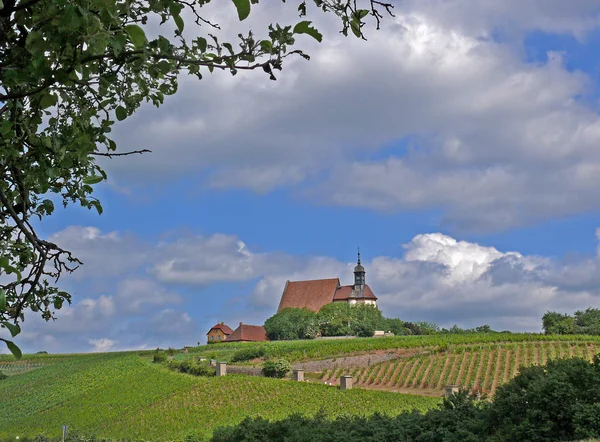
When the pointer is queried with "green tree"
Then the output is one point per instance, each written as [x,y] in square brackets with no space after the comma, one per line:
[558,401]
[587,322]
[555,323]
[292,323]
[68,70]
[343,319]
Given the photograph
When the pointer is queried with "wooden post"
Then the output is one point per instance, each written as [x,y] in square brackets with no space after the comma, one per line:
[221,368]
[299,375]
[346,382]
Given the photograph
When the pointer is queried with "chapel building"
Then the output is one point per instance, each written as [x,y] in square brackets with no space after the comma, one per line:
[314,294]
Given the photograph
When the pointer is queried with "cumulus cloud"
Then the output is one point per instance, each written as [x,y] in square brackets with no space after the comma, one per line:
[433,277]
[493,141]
[102,345]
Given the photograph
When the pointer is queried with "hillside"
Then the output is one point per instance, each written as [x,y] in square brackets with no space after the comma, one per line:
[122,395]
[125,395]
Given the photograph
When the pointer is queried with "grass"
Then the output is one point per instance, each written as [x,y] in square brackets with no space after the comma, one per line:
[121,395]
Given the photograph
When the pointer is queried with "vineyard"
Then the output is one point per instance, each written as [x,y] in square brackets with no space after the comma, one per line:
[481,367]
[126,397]
[318,349]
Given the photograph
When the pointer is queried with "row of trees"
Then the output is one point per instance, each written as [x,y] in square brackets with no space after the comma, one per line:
[343,319]
[559,401]
[583,322]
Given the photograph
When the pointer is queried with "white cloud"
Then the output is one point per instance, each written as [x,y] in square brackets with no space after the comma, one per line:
[433,277]
[495,141]
[102,345]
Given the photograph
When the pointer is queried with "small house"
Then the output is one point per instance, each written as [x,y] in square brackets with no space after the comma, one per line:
[219,333]
[248,333]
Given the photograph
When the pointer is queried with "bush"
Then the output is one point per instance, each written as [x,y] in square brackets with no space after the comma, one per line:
[2,376]
[246,354]
[276,369]
[159,358]
[189,367]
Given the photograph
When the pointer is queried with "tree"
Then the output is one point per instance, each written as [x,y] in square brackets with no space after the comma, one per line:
[292,323]
[587,322]
[68,70]
[555,323]
[558,401]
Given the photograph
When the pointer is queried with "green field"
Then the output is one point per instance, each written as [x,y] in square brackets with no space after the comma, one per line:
[122,395]
[126,396]
[320,349]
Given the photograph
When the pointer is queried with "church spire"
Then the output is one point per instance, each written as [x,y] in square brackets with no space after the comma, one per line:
[359,275]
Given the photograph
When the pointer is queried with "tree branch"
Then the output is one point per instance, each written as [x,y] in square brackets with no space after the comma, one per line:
[122,154]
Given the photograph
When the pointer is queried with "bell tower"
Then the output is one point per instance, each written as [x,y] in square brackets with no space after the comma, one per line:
[359,275]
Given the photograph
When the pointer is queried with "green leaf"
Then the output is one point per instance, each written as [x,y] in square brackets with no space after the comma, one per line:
[355,27]
[48,100]
[266,46]
[94,179]
[12,328]
[164,66]
[2,300]
[304,27]
[179,22]
[136,35]
[202,43]
[121,113]
[16,351]
[243,8]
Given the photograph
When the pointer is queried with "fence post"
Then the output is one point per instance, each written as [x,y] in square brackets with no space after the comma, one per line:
[346,382]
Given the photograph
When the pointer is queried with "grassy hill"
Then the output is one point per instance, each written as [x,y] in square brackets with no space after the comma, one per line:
[122,395]
[125,395]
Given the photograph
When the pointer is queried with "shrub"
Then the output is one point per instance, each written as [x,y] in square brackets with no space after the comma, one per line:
[2,376]
[246,354]
[189,367]
[276,369]
[159,358]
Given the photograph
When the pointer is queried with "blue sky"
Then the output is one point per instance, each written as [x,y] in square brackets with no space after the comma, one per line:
[458,150]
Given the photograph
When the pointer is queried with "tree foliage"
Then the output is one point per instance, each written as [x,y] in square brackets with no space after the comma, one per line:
[583,322]
[69,69]
[292,323]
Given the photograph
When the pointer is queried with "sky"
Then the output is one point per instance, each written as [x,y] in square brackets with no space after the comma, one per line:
[458,147]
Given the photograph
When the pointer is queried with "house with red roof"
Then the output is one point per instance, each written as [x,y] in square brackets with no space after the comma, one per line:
[314,294]
[219,333]
[248,333]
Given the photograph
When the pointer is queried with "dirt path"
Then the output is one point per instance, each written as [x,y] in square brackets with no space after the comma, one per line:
[425,376]
[405,371]
[498,370]
[443,373]
[479,378]
[507,365]
[452,374]
[536,354]
[461,370]
[364,360]
[468,377]
[399,367]
[518,360]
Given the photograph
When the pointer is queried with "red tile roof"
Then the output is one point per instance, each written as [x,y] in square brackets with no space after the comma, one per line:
[247,332]
[344,292]
[224,328]
[312,294]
